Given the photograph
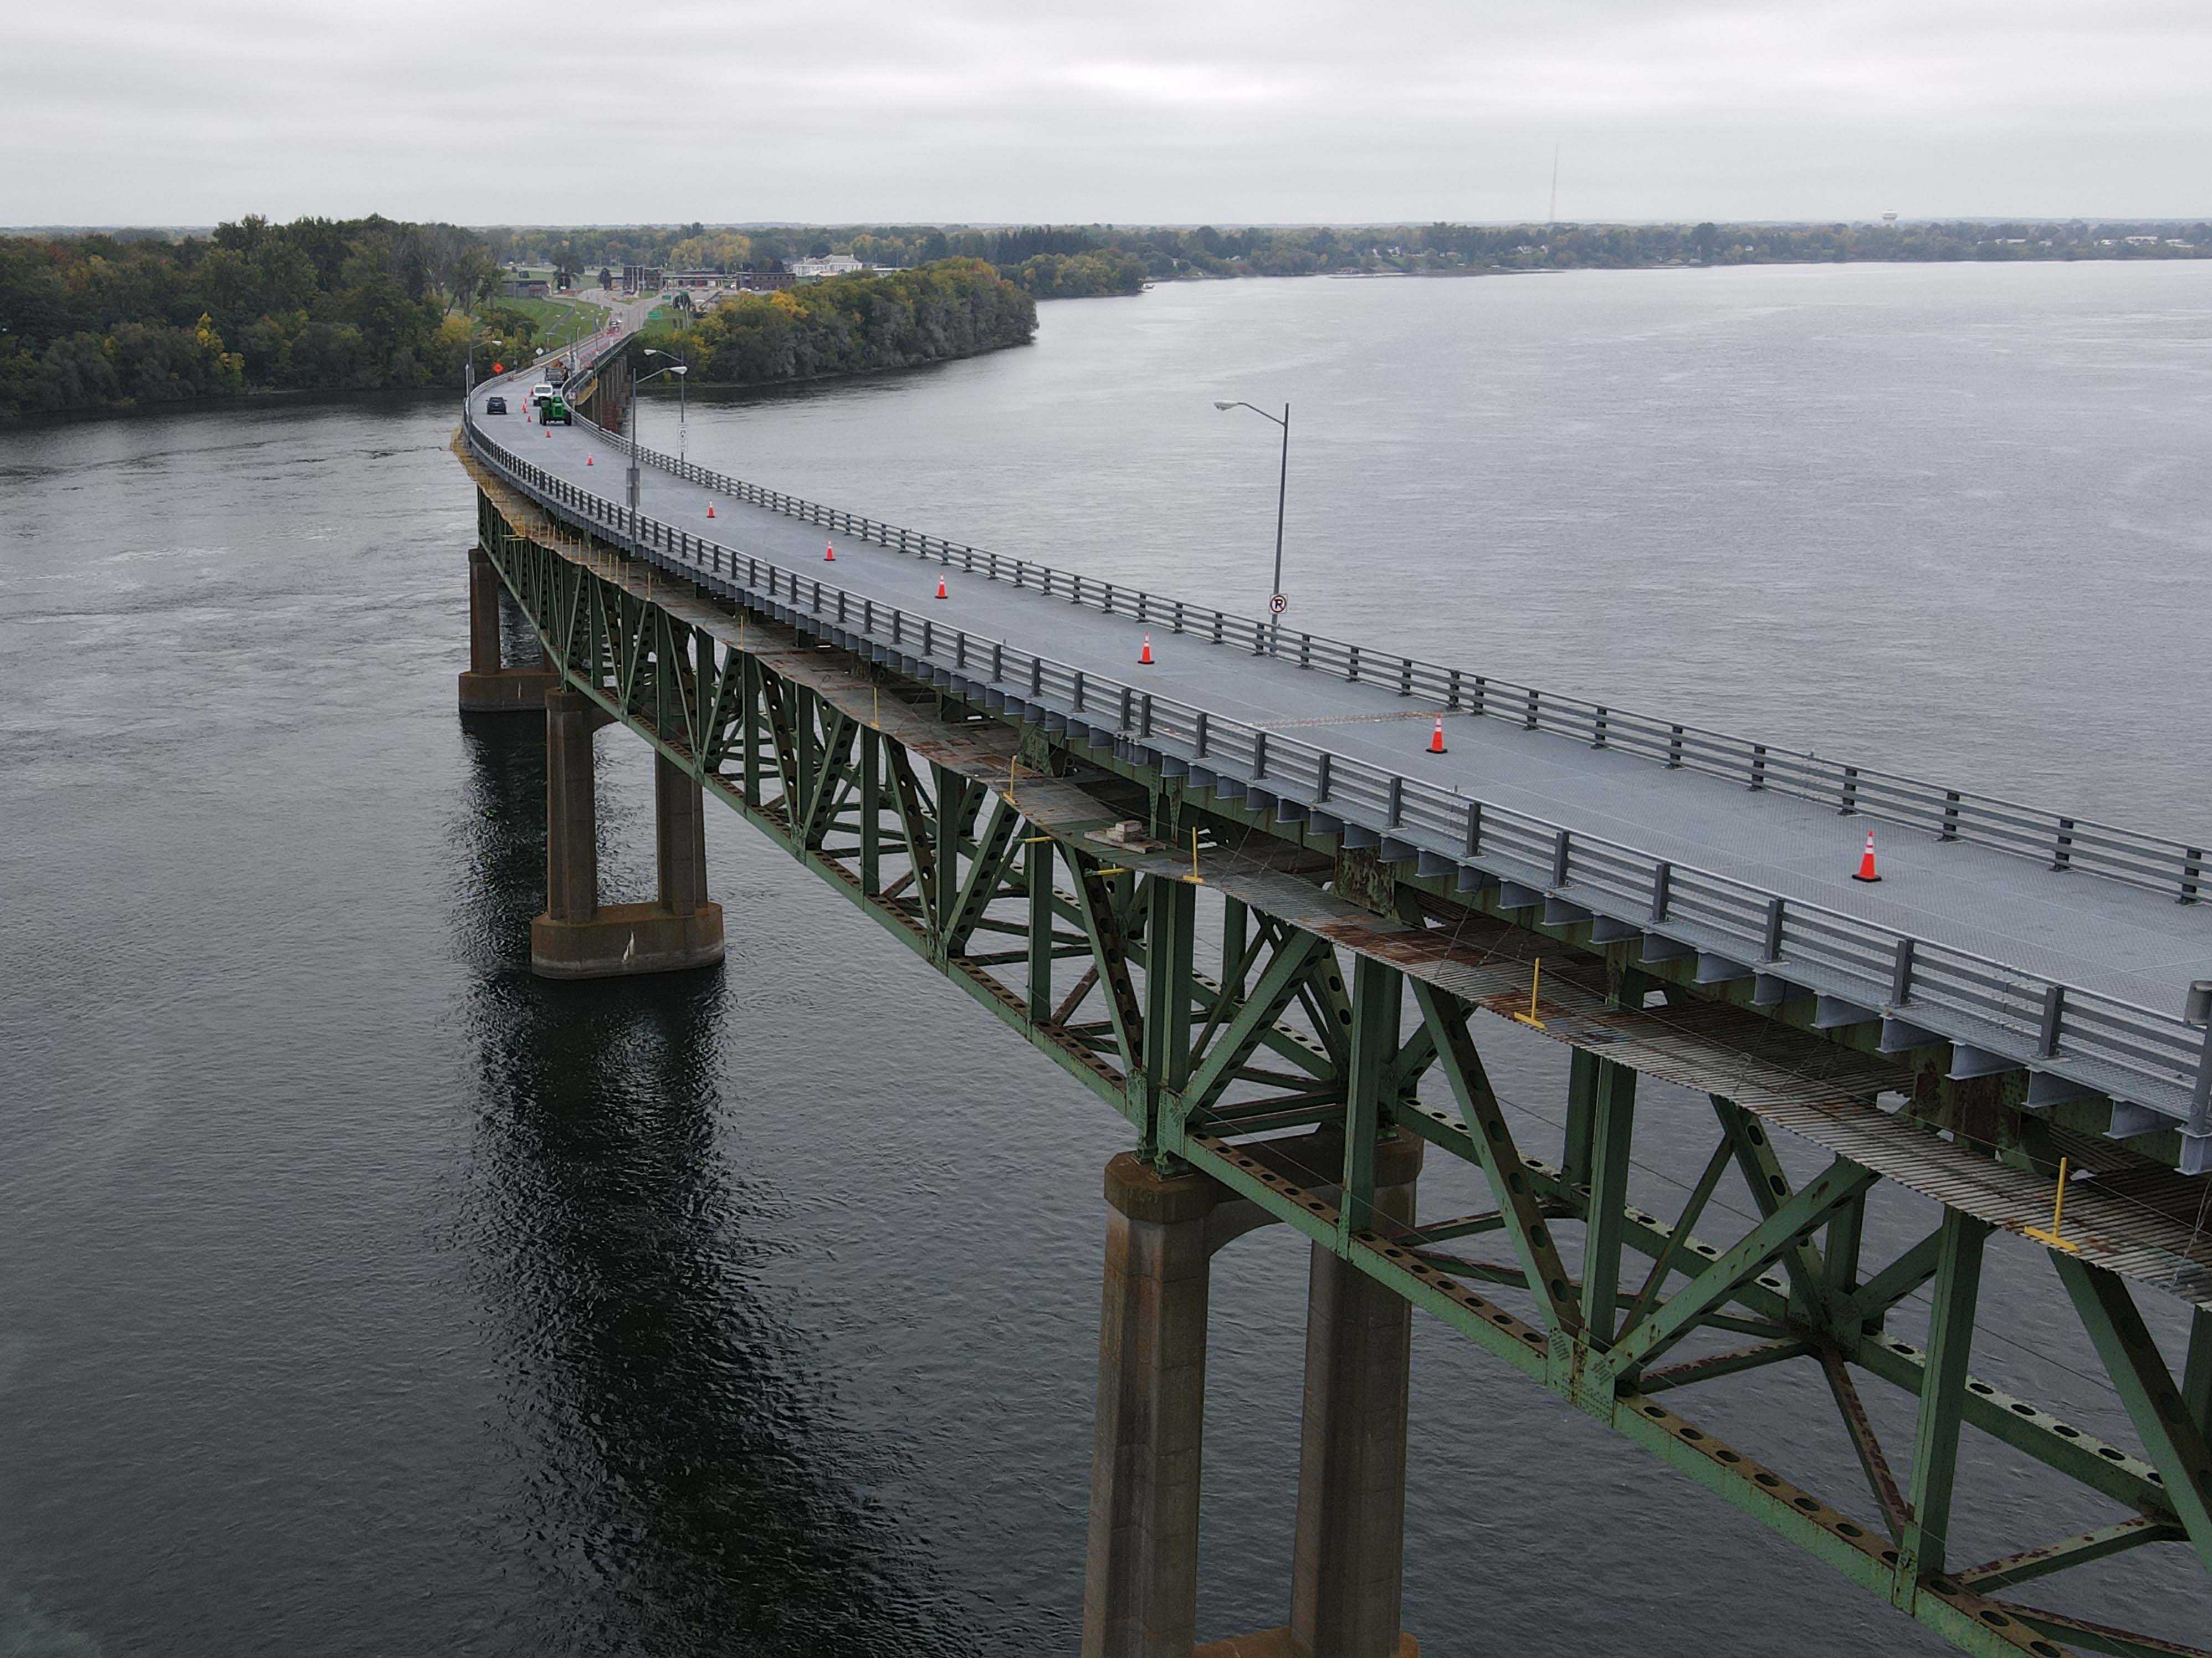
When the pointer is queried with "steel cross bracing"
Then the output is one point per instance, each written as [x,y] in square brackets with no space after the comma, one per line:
[1049,878]
[2141,1071]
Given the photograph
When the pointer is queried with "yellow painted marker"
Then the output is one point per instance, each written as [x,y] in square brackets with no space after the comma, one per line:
[2055,1236]
[1195,877]
[1535,978]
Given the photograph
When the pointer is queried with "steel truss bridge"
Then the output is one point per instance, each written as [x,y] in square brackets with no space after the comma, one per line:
[1232,896]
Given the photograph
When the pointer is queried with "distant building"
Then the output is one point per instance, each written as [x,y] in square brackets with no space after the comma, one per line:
[641,278]
[763,282]
[525,288]
[813,270]
[697,279]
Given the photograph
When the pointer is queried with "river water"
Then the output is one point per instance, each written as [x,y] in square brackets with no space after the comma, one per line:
[361,1295]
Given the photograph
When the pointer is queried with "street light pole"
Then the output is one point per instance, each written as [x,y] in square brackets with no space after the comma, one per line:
[494,344]
[677,369]
[631,480]
[1282,495]
[1276,601]
[682,371]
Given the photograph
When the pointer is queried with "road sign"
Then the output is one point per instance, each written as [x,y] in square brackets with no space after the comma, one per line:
[1277,604]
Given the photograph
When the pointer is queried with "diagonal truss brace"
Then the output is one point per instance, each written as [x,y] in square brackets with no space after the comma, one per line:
[2174,1440]
[1792,1221]
[1510,1188]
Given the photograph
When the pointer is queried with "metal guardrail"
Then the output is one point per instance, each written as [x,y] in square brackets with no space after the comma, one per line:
[2082,844]
[2081,1038]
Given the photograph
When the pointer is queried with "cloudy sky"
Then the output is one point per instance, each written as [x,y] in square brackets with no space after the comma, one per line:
[181,111]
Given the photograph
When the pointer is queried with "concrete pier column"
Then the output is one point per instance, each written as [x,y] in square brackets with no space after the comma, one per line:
[486,687]
[1348,1572]
[572,814]
[483,614]
[680,828]
[1140,1577]
[580,938]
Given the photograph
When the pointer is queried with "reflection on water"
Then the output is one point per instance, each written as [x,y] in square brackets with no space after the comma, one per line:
[684,1472]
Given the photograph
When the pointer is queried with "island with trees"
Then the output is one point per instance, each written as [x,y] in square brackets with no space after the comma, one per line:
[857,325]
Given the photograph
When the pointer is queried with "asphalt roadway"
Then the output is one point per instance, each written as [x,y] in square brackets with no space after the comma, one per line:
[2076,927]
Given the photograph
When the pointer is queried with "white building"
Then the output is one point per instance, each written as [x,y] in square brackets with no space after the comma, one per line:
[838,264]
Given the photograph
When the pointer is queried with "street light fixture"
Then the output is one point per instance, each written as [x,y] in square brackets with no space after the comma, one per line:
[495,345]
[1277,602]
[677,369]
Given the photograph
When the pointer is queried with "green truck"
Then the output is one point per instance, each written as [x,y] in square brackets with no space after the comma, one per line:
[555,408]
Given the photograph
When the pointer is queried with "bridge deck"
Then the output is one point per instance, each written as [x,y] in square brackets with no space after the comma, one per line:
[2075,928]
[2137,1218]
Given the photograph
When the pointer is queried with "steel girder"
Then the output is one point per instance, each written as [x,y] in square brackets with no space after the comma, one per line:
[1051,886]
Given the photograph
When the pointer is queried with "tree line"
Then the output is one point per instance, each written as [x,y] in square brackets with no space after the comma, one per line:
[1074,261]
[858,324]
[104,321]
[1049,263]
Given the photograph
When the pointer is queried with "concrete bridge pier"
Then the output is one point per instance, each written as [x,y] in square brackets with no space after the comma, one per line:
[580,938]
[1141,1572]
[486,686]
[1140,1583]
[1348,1574]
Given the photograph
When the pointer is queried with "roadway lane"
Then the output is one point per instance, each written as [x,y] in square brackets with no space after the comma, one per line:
[2076,928]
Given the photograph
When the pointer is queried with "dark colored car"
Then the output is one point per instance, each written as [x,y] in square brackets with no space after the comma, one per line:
[495,405]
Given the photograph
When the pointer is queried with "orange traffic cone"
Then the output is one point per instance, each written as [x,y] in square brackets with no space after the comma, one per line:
[1145,656]
[1865,862]
[941,593]
[710,509]
[587,460]
[829,554]
[1437,736]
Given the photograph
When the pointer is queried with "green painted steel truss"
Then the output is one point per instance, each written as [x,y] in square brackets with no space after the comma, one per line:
[1055,887]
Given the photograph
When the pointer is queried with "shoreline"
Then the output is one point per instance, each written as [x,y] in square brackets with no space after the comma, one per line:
[309,397]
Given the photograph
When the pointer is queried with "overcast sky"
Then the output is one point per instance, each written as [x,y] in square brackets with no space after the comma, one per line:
[185,111]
